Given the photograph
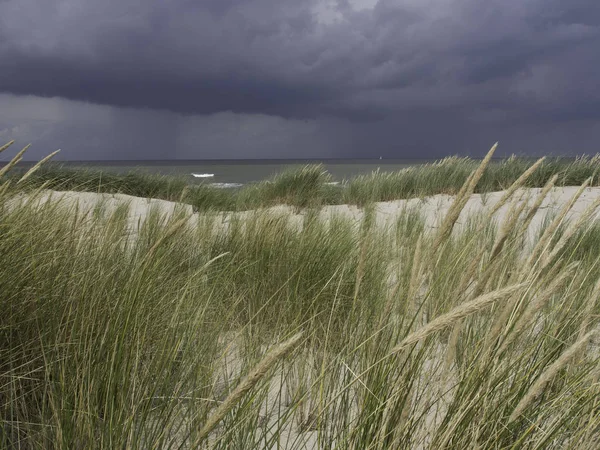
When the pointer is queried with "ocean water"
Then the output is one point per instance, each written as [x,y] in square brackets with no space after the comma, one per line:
[240,172]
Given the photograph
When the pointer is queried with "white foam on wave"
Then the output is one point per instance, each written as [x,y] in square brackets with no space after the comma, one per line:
[225,185]
[203,175]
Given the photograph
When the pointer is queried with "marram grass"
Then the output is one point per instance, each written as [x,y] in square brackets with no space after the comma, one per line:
[267,333]
[310,186]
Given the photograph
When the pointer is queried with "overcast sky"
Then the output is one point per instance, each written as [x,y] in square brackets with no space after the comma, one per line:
[193,79]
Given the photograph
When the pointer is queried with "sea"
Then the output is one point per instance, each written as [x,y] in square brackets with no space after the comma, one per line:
[236,173]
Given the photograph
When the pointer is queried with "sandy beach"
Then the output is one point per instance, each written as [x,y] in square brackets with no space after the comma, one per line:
[432,209]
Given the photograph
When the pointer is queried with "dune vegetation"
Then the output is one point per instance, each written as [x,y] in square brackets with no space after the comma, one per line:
[259,333]
[313,186]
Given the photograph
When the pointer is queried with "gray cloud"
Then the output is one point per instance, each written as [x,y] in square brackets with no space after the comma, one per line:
[88,131]
[364,68]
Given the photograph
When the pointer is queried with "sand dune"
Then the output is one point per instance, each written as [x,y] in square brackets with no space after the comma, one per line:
[431,208]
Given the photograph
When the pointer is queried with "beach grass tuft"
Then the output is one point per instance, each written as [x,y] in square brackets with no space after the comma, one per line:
[268,329]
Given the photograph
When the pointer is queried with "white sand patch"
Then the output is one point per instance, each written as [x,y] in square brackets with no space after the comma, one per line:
[432,209]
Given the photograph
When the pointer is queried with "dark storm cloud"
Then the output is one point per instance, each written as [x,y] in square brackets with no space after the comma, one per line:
[274,56]
[373,64]
[50,77]
[188,59]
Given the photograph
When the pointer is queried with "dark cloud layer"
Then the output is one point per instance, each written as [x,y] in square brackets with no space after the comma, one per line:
[452,72]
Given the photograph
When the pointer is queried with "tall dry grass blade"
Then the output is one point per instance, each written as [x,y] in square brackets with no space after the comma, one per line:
[516,185]
[538,387]
[389,305]
[538,202]
[212,260]
[360,270]
[490,270]
[14,161]
[538,303]
[5,146]
[469,276]
[412,287]
[589,308]
[460,201]
[549,232]
[37,166]
[415,274]
[184,192]
[466,184]
[255,375]
[499,323]
[4,188]
[480,170]
[508,225]
[571,230]
[168,233]
[452,345]
[450,318]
